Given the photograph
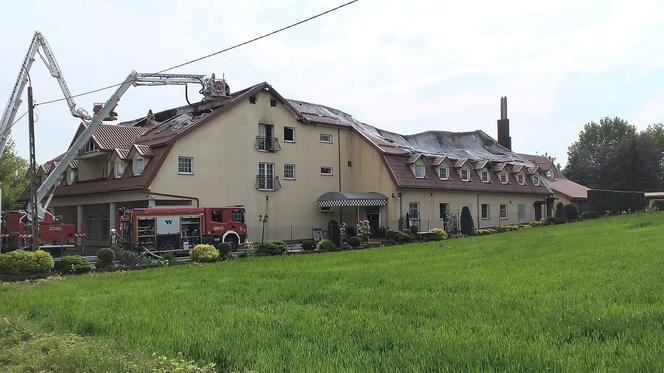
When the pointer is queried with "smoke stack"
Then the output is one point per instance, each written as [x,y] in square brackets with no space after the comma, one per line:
[504,138]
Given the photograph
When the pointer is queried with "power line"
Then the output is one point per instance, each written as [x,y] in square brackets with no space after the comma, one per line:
[209,55]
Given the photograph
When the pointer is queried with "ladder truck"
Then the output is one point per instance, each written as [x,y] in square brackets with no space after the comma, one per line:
[37,213]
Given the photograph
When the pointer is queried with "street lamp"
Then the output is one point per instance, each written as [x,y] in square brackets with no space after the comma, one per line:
[263,220]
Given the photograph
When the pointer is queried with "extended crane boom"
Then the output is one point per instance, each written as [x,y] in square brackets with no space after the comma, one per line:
[38,43]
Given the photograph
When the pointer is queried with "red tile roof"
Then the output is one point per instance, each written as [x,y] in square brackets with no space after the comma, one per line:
[559,183]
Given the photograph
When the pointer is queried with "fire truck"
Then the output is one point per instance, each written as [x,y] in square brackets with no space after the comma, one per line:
[17,230]
[178,229]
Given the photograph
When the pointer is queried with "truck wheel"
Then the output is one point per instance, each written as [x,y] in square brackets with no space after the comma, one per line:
[231,239]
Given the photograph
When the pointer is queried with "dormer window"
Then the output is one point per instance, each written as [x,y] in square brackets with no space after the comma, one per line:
[90,146]
[503,177]
[465,175]
[71,176]
[138,166]
[443,173]
[549,174]
[118,169]
[536,180]
[419,171]
[485,176]
[520,179]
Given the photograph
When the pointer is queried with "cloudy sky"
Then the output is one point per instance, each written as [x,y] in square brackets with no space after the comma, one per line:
[402,66]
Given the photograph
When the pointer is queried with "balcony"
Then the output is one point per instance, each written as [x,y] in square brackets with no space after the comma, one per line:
[267,144]
[267,183]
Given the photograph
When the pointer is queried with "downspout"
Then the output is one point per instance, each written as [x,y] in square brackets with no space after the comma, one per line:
[478,210]
[339,170]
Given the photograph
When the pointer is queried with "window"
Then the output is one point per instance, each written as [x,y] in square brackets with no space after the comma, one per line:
[326,171]
[485,176]
[503,177]
[265,139]
[521,211]
[71,176]
[273,102]
[503,212]
[237,215]
[89,147]
[464,175]
[118,169]
[289,134]
[442,173]
[185,165]
[217,216]
[444,209]
[138,166]
[419,171]
[414,211]
[520,179]
[252,99]
[549,174]
[289,171]
[266,176]
[485,211]
[350,164]
[536,180]
[326,138]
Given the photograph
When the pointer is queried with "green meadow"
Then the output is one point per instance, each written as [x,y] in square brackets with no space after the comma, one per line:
[586,296]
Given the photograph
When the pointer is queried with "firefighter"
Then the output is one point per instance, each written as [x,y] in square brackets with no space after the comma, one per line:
[114,236]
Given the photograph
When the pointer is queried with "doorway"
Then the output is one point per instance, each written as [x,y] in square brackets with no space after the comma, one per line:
[373,216]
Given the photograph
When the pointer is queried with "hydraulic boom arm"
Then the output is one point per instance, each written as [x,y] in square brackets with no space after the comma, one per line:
[38,45]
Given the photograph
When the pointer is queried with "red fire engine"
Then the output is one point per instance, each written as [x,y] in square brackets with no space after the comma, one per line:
[17,231]
[166,229]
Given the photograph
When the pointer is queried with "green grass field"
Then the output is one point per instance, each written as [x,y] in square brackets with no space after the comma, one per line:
[577,297]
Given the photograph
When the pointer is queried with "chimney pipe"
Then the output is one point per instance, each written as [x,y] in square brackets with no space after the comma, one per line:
[504,138]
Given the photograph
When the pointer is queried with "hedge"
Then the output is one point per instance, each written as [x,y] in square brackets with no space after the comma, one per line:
[21,262]
[615,201]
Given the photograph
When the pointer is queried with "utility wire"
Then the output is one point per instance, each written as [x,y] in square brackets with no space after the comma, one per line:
[209,55]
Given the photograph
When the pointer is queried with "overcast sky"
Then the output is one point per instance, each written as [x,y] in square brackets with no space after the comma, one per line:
[402,66]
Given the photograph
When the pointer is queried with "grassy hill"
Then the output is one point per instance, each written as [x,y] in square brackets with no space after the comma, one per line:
[579,297]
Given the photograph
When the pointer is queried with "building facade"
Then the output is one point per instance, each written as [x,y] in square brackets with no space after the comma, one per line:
[299,164]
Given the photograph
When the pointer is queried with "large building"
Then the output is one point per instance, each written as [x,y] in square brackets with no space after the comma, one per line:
[300,164]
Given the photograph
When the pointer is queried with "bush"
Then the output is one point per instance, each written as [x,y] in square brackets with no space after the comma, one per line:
[106,256]
[560,211]
[414,229]
[327,245]
[390,234]
[380,232]
[272,248]
[408,232]
[467,225]
[204,253]
[486,231]
[225,249]
[21,262]
[571,213]
[440,234]
[355,242]
[308,245]
[615,201]
[333,232]
[589,215]
[555,220]
[73,264]
[403,237]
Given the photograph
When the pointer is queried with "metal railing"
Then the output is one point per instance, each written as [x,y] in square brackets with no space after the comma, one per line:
[269,144]
[267,182]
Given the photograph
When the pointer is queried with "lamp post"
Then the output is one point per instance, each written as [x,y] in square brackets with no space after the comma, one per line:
[263,220]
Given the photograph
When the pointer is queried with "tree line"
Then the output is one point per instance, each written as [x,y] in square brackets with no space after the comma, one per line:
[612,154]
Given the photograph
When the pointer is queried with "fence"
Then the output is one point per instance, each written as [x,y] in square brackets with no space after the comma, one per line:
[615,201]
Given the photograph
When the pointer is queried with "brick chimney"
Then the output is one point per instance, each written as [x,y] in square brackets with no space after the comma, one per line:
[504,138]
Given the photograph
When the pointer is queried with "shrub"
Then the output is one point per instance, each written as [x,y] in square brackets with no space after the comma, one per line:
[225,249]
[486,231]
[555,220]
[333,232]
[408,232]
[403,237]
[73,264]
[414,229]
[355,242]
[440,234]
[21,262]
[272,248]
[327,245]
[571,213]
[536,223]
[380,232]
[106,256]
[390,234]
[589,215]
[560,211]
[615,201]
[204,253]
[308,245]
[467,225]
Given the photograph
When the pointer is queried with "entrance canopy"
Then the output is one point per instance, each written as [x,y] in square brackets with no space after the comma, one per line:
[347,199]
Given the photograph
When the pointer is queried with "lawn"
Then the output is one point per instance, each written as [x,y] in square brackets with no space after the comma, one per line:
[576,297]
